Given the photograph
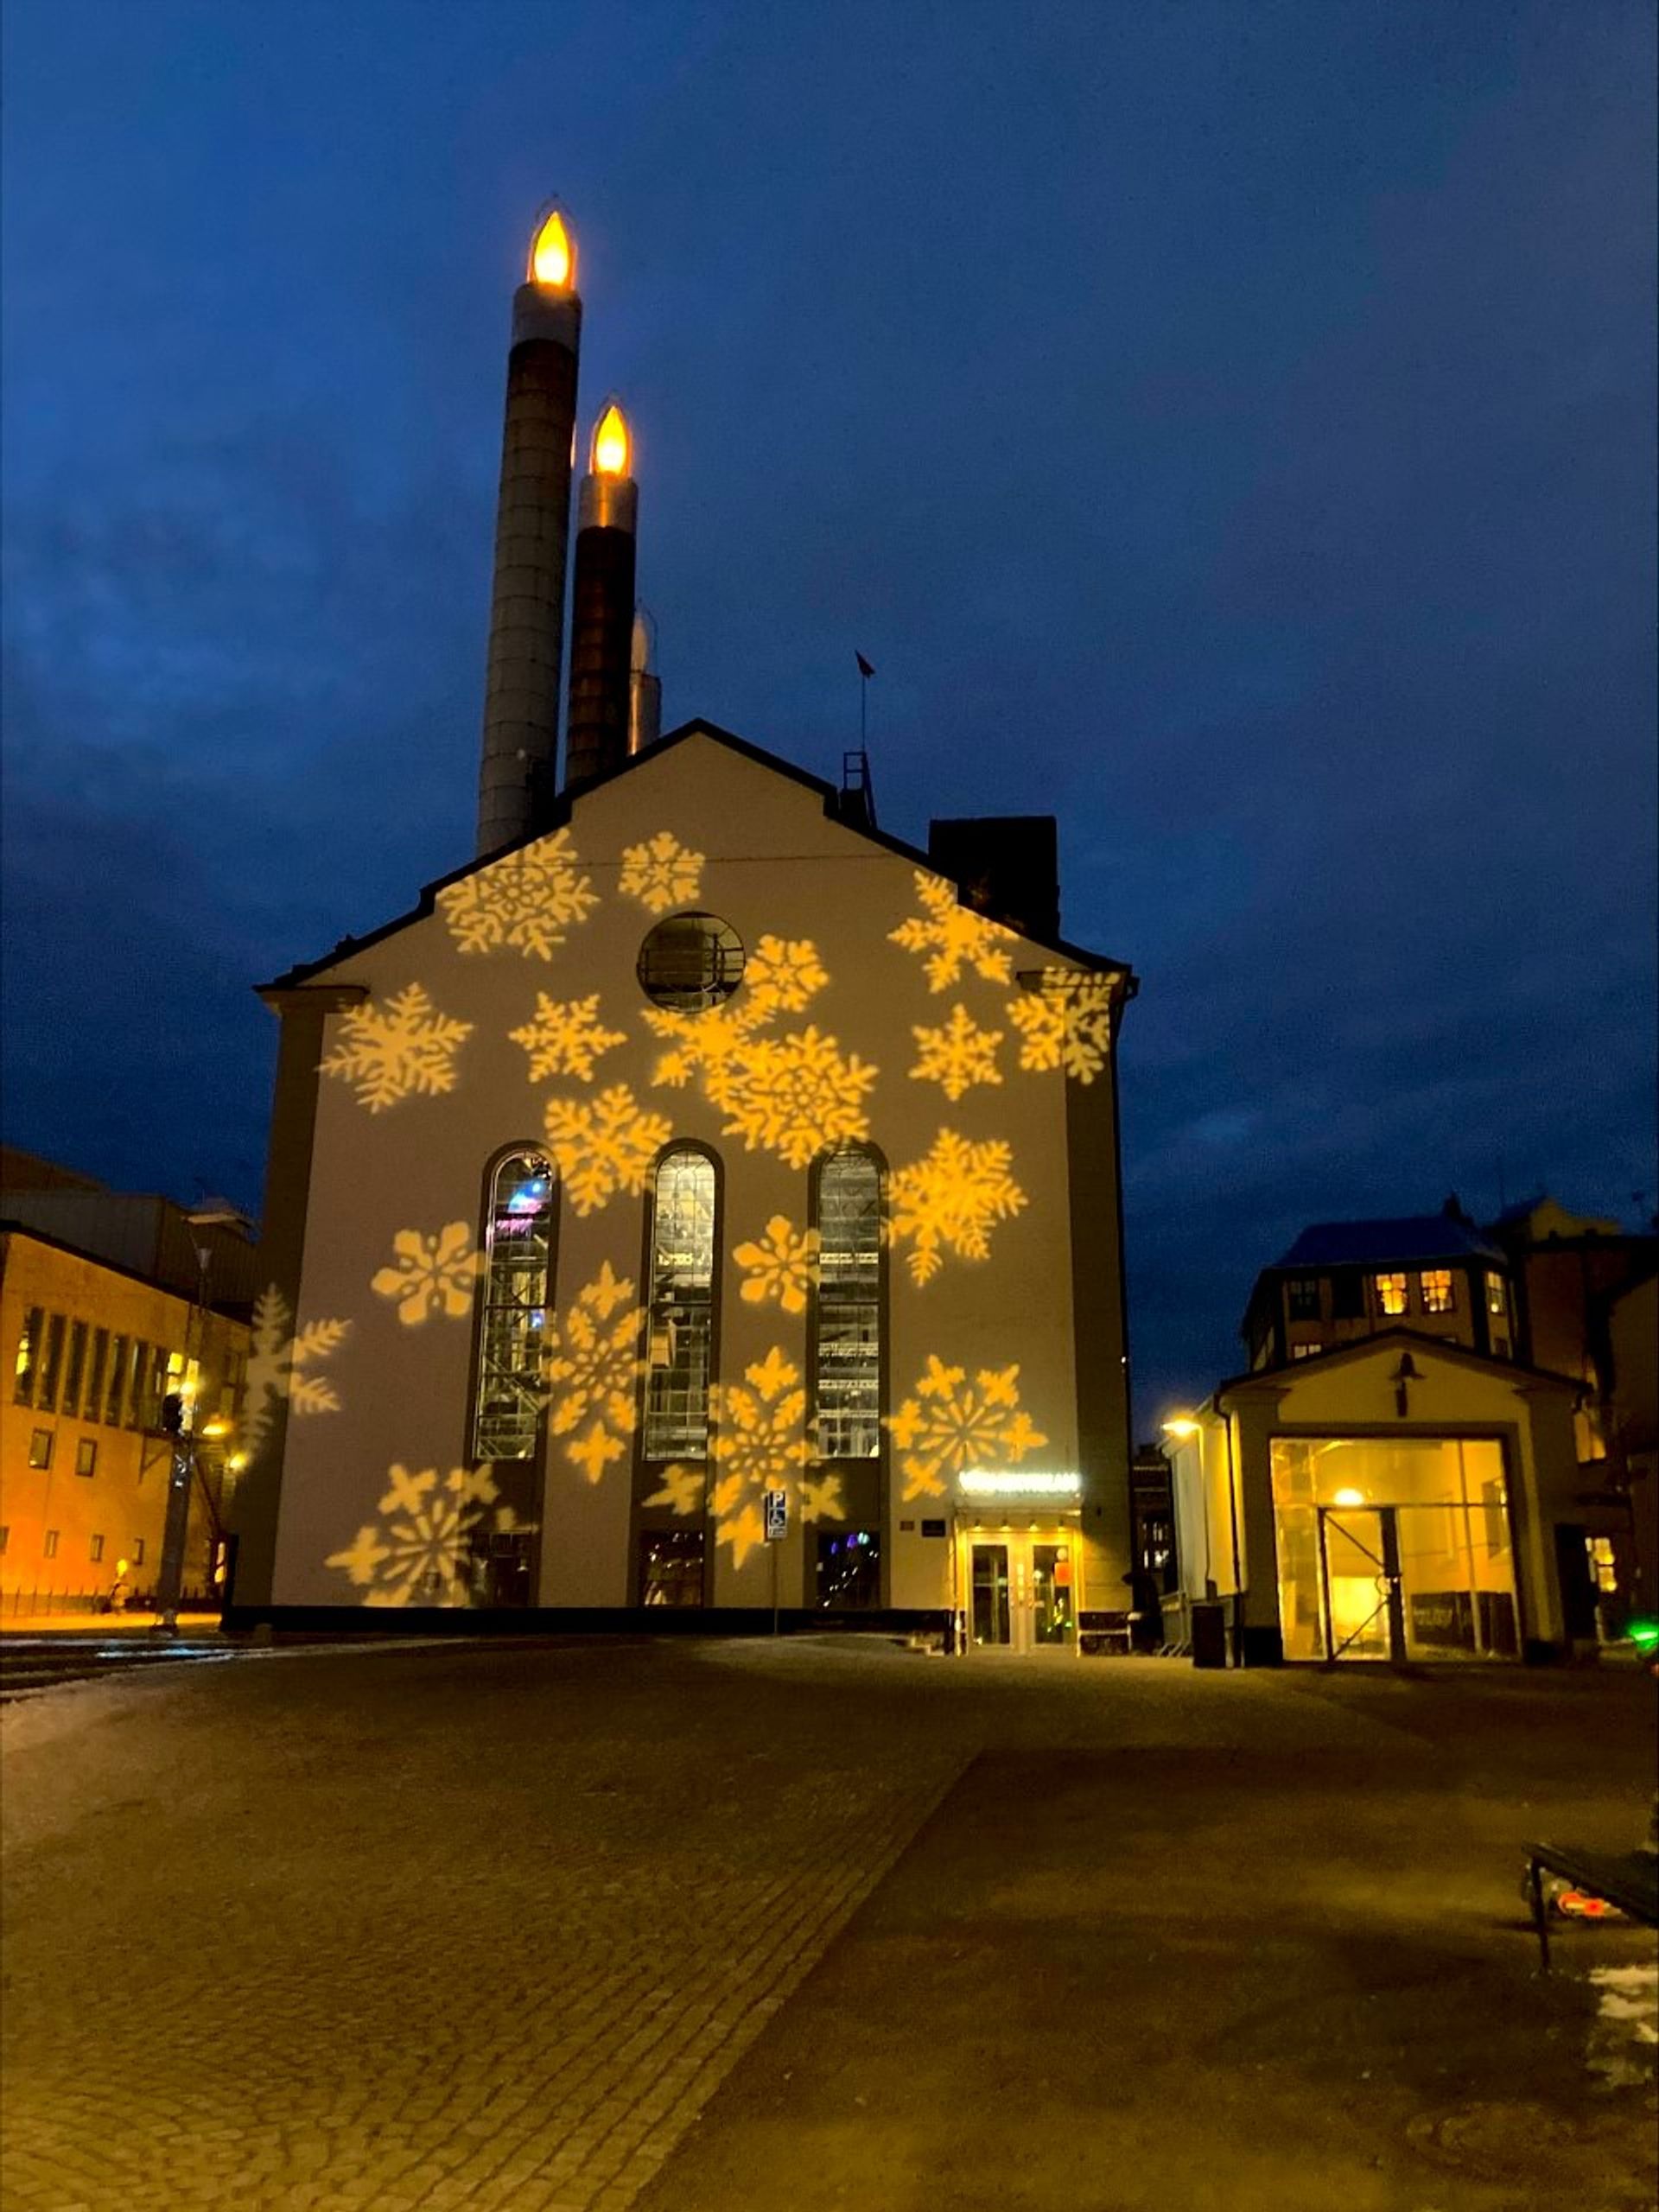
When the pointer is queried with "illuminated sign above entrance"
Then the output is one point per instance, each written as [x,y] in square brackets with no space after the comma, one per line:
[981,1482]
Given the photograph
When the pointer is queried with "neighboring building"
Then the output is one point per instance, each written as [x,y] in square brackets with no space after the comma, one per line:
[1395,1498]
[95,1350]
[1342,1280]
[1494,1350]
[701,1145]
[1151,1512]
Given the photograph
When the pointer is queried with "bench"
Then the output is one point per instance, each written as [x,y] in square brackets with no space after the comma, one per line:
[1629,1879]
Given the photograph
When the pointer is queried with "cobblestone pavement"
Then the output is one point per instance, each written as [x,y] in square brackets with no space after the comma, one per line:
[482,1926]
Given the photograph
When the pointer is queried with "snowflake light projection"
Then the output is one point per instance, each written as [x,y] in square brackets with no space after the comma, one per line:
[794,1094]
[958,1054]
[603,1145]
[952,935]
[395,1048]
[527,901]
[592,1368]
[950,1200]
[565,1036]
[682,1490]
[778,1266]
[951,1423]
[419,1551]
[278,1354]
[760,1445]
[781,975]
[661,872]
[431,1274]
[1066,1023]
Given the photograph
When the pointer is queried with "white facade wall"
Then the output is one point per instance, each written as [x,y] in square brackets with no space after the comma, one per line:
[359,1382]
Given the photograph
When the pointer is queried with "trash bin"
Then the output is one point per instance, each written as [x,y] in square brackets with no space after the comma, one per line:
[1209,1636]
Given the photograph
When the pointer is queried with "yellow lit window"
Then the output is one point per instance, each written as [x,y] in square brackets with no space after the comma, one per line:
[1391,1293]
[1603,1565]
[1439,1295]
[1497,1296]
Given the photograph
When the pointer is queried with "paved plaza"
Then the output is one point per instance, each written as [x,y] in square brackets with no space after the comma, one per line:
[814,1924]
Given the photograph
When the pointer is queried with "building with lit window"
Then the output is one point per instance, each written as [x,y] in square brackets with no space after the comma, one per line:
[1343,1281]
[97,1348]
[704,1146]
[1415,1466]
[700,1201]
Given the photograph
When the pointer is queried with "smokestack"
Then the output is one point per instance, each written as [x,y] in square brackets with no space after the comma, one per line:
[644,685]
[601,607]
[533,530]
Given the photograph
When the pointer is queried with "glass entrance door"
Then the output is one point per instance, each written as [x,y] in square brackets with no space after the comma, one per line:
[1360,1557]
[1022,1594]
[990,1617]
[1053,1621]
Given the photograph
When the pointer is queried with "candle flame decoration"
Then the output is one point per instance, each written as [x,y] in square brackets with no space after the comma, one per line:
[553,255]
[612,443]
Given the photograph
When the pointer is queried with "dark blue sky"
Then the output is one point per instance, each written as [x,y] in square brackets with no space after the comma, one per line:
[1227,426]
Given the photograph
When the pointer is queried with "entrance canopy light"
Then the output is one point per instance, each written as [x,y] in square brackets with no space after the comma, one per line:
[983,1482]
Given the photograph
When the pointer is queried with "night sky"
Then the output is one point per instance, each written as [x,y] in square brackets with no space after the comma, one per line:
[1228,427]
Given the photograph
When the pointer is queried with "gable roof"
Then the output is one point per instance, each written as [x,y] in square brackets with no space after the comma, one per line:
[559,813]
[1410,1238]
[1414,1340]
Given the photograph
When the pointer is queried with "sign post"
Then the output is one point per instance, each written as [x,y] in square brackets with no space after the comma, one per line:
[776,1506]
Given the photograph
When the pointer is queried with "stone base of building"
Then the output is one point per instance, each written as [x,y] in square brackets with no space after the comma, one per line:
[579,1620]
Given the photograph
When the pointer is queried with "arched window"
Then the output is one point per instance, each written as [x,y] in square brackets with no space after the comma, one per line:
[847,1313]
[680,1311]
[512,1310]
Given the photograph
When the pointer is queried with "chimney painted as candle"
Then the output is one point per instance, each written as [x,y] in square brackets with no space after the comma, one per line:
[601,607]
[532,531]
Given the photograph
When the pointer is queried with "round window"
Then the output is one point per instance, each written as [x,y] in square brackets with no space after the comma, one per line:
[689,962]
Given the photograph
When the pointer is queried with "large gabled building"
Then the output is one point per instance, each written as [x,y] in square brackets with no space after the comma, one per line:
[704,1146]
[701,1202]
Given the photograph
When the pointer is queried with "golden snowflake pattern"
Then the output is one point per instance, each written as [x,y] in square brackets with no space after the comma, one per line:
[682,1490]
[661,872]
[591,1368]
[794,1094]
[565,1036]
[431,1274]
[279,1355]
[1066,1023]
[950,1200]
[603,1145]
[397,1048]
[760,1445]
[957,1054]
[528,901]
[951,1423]
[777,1264]
[953,936]
[782,975]
[419,1552]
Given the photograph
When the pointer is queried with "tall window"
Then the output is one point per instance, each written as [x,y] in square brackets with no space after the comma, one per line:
[72,1372]
[29,1355]
[1439,1296]
[118,1381]
[94,1408]
[518,1251]
[1390,1293]
[680,1311]
[1304,1297]
[45,1390]
[847,1337]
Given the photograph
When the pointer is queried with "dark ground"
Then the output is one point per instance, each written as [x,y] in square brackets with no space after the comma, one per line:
[813,1926]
